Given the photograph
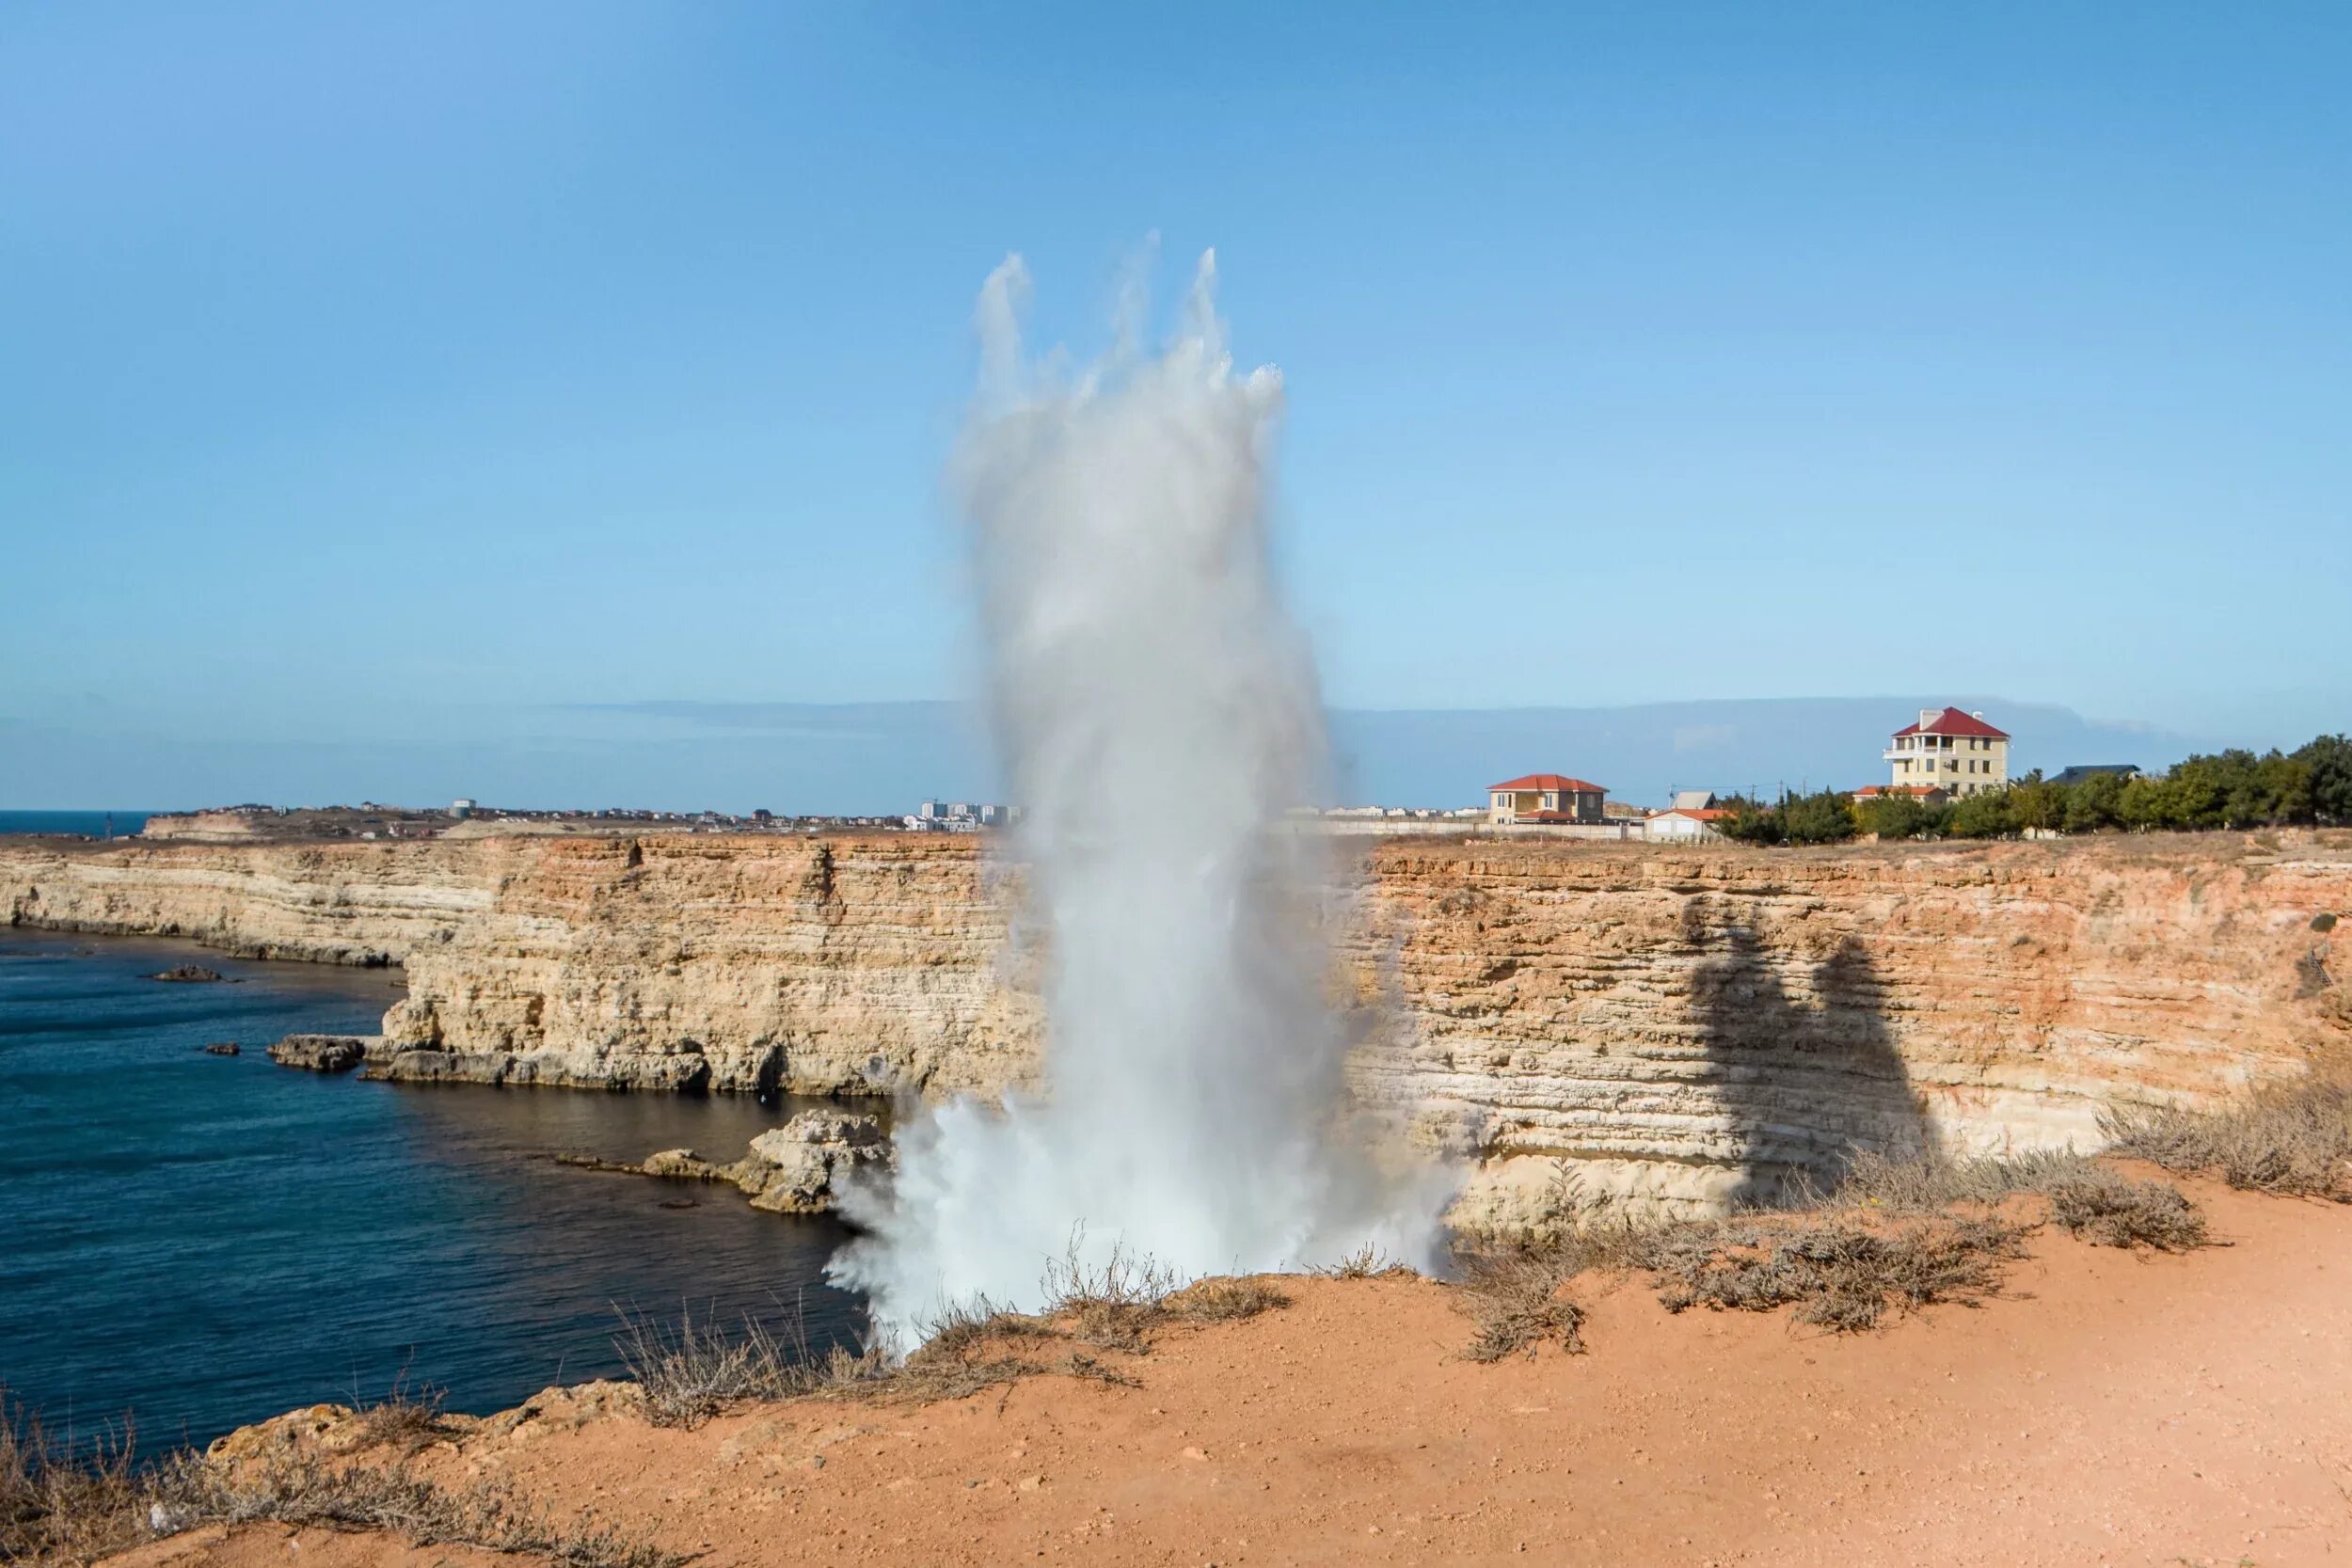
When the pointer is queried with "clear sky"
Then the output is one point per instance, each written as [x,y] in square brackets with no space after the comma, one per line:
[369,366]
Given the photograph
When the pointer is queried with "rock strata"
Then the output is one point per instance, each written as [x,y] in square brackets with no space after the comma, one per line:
[320,1052]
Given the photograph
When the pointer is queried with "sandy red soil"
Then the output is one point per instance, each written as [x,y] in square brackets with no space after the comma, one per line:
[2112,1409]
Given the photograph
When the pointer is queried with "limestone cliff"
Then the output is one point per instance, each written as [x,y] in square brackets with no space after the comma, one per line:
[1690,1024]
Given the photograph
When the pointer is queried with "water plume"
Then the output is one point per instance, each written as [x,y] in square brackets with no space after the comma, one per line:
[1156,711]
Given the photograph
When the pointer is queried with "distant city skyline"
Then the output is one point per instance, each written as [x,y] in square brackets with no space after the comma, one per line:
[464,394]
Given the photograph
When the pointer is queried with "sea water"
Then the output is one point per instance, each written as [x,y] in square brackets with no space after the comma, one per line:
[206,1241]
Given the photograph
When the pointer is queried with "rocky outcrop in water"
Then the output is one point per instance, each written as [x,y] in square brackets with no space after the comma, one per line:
[320,1052]
[799,1168]
[188,975]
[1690,1024]
[224,1048]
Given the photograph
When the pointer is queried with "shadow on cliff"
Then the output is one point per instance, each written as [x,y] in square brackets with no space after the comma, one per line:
[1805,1084]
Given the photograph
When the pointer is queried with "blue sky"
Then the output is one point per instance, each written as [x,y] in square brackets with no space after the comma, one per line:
[377,375]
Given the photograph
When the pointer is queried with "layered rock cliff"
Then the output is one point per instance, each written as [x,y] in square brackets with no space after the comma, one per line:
[1690,1024]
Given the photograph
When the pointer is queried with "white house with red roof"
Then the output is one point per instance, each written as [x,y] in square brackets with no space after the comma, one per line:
[1544,797]
[1947,749]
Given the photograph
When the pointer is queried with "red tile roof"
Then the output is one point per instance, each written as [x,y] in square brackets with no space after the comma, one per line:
[1952,722]
[1550,781]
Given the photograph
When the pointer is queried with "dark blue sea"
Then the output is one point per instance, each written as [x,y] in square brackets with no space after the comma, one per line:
[206,1241]
[89,824]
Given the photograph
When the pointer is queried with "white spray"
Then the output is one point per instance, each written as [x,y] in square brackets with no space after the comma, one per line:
[1156,711]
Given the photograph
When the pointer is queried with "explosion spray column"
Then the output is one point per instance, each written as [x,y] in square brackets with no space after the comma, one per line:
[1156,711]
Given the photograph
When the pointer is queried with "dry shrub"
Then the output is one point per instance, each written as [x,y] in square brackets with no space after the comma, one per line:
[1223,1299]
[2108,1210]
[406,1419]
[1366,1262]
[1515,1302]
[1892,1235]
[56,1504]
[2292,1138]
[1113,1306]
[1928,1182]
[1839,1273]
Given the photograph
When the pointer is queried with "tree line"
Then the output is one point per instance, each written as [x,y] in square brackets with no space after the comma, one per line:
[2227,789]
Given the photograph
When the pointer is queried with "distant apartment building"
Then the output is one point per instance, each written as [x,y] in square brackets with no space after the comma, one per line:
[1947,749]
[1544,797]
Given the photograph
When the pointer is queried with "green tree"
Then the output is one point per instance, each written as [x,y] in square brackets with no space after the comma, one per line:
[1991,815]
[2094,803]
[1826,816]
[2037,802]
[1751,821]
[2328,771]
[1895,816]
[2145,802]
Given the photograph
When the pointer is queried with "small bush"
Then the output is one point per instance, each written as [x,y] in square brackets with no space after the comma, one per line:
[2292,1138]
[2108,1210]
[406,1419]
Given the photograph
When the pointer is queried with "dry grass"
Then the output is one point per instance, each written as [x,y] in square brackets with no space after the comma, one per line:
[61,1506]
[2292,1138]
[1223,1300]
[690,1371]
[307,1491]
[1367,1263]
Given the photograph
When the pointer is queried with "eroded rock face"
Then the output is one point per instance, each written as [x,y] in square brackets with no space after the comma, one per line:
[1685,1026]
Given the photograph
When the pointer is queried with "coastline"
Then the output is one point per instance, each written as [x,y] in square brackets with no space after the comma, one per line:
[1684,1026]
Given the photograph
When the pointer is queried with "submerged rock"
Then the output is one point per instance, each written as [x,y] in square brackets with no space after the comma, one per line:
[320,1052]
[188,975]
[223,1048]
